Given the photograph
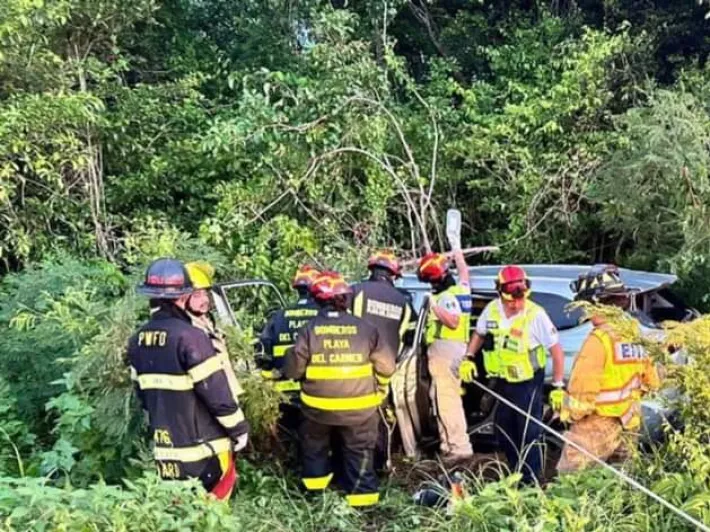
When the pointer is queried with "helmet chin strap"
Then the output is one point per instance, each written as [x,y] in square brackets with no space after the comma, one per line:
[447,282]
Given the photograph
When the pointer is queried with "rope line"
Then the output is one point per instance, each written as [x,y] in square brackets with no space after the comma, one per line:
[626,478]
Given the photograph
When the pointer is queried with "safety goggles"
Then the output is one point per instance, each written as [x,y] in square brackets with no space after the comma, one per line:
[514,290]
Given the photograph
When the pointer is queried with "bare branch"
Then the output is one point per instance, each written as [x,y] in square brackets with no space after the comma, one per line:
[388,168]
[468,252]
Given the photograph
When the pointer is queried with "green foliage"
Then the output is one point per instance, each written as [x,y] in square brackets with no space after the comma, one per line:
[33,311]
[257,135]
[17,440]
[592,500]
[99,426]
[43,158]
[655,191]
[144,504]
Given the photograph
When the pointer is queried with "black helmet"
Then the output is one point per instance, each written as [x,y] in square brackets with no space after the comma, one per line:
[166,279]
[600,282]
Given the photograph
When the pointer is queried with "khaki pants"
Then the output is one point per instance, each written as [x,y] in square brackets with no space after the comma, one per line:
[602,436]
[445,357]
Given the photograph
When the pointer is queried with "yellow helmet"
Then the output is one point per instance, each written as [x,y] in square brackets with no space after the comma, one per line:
[201,275]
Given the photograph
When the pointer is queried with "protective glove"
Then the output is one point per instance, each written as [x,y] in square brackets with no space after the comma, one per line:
[468,371]
[557,397]
[453,228]
[455,243]
[241,443]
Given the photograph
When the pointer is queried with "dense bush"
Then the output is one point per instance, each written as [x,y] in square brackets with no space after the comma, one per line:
[332,129]
[34,339]
[144,504]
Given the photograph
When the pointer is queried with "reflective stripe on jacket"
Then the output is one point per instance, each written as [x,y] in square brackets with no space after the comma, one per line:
[340,362]
[219,343]
[512,357]
[608,378]
[625,365]
[280,334]
[438,331]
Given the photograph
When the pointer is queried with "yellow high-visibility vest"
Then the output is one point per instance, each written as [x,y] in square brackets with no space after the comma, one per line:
[512,357]
[624,367]
[438,331]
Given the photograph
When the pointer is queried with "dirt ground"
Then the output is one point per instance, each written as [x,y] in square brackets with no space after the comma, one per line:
[412,476]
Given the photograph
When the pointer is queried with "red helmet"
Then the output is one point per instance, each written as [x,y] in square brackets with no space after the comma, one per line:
[328,285]
[513,283]
[433,267]
[305,275]
[386,260]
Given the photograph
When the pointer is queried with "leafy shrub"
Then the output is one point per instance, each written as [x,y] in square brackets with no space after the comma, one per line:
[591,500]
[99,425]
[16,439]
[259,401]
[34,338]
[145,504]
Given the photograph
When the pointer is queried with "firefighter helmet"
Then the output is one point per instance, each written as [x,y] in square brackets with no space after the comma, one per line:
[513,283]
[305,275]
[599,282]
[433,267]
[329,285]
[386,260]
[166,279]
[201,274]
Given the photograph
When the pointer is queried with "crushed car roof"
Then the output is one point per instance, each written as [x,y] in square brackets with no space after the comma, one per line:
[553,278]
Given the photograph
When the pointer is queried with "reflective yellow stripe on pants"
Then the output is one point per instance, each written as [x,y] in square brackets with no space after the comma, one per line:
[317,483]
[287,386]
[363,499]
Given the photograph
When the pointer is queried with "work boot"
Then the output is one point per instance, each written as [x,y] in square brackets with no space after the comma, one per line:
[456,459]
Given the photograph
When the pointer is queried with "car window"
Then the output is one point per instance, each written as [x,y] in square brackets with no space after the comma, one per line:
[479,300]
[247,304]
[662,305]
[556,308]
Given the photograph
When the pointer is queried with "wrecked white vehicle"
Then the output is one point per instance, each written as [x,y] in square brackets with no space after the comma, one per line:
[653,302]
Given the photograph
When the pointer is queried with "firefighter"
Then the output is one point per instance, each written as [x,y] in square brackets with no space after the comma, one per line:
[389,310]
[344,372]
[447,335]
[181,382]
[281,331]
[517,335]
[198,309]
[380,304]
[607,381]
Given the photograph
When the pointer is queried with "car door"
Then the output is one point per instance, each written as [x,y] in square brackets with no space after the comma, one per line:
[247,303]
[410,391]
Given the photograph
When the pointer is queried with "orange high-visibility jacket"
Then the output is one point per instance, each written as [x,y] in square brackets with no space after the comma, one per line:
[608,379]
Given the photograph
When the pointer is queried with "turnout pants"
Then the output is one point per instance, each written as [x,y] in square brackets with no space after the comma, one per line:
[445,358]
[519,438]
[358,449]
[601,436]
